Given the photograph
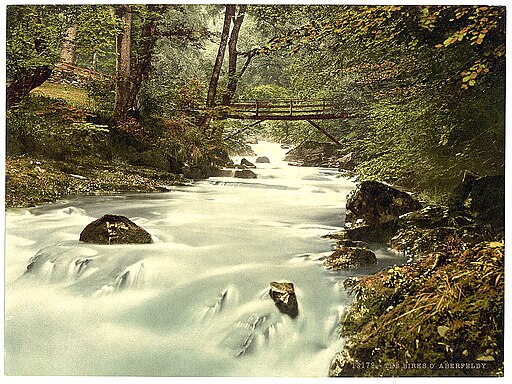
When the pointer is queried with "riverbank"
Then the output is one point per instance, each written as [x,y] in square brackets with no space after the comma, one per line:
[428,318]
[31,182]
[441,313]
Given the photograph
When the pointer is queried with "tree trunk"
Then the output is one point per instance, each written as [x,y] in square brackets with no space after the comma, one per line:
[212,89]
[95,61]
[31,79]
[132,72]
[68,49]
[123,65]
[141,67]
[233,76]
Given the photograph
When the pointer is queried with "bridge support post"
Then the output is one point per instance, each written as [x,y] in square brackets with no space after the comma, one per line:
[243,129]
[327,134]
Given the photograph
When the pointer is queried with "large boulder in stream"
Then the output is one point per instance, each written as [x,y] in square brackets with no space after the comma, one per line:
[284,297]
[350,258]
[373,204]
[245,174]
[246,163]
[262,159]
[114,229]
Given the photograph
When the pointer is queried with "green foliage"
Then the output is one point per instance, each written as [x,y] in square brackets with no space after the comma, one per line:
[429,112]
[265,92]
[34,33]
[102,93]
[178,64]
[49,128]
[97,28]
[33,37]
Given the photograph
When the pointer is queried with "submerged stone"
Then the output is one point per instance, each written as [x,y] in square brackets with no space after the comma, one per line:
[284,297]
[114,229]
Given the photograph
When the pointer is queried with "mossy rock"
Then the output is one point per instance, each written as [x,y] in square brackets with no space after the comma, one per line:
[350,258]
[114,229]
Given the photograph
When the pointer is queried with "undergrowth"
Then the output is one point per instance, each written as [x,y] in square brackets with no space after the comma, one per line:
[442,316]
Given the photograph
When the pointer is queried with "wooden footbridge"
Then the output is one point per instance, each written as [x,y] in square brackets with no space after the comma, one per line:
[260,110]
[290,110]
[318,109]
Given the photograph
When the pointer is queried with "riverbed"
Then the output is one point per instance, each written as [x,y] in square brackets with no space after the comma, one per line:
[195,302]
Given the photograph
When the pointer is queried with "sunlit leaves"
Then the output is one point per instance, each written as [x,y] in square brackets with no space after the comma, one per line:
[469,77]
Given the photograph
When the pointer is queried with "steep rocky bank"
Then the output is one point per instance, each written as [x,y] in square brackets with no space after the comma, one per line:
[315,154]
[440,313]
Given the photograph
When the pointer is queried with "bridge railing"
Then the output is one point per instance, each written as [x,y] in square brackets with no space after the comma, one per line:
[285,107]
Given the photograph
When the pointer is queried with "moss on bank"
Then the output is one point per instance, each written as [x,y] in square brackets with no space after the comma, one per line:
[31,181]
[436,317]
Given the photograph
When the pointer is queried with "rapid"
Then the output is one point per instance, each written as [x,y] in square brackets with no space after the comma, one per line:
[195,302]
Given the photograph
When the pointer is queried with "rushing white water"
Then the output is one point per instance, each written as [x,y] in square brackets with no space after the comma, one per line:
[193,303]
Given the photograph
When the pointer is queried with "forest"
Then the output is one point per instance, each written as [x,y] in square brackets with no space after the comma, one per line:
[426,81]
[127,98]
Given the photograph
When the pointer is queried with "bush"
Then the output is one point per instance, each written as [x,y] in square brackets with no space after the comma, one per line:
[50,128]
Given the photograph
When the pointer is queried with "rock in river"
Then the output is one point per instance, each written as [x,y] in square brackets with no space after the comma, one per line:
[374,204]
[350,257]
[263,159]
[114,229]
[284,297]
[246,163]
[245,174]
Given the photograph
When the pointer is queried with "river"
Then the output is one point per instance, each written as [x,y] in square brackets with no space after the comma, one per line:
[196,301]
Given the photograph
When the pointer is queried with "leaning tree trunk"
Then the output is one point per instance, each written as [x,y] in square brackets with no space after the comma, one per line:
[123,65]
[26,82]
[233,76]
[214,80]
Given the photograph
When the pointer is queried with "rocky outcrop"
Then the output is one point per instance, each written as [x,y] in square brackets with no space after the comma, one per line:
[350,258]
[314,154]
[262,159]
[483,198]
[220,158]
[114,229]
[373,204]
[373,210]
[245,174]
[443,241]
[283,294]
[347,162]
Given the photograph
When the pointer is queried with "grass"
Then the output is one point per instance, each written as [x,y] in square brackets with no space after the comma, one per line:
[74,96]
[432,318]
